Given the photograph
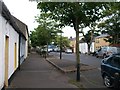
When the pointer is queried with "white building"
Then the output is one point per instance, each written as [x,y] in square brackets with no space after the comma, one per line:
[23,39]
[84,47]
[10,50]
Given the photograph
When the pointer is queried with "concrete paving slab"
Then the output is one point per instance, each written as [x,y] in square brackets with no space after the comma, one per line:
[36,72]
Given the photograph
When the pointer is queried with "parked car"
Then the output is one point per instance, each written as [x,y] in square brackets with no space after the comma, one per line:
[57,49]
[50,49]
[107,51]
[110,70]
[93,53]
[68,51]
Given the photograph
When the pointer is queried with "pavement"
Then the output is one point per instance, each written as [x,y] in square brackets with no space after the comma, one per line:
[36,72]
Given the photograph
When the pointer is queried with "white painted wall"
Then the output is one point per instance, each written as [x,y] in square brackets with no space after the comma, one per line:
[92,48]
[84,48]
[1,55]
[26,47]
[7,29]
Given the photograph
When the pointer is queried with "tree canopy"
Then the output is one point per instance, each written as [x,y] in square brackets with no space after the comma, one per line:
[73,14]
[111,24]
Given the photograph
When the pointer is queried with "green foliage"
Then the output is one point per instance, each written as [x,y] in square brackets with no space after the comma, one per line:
[43,35]
[73,14]
[70,13]
[33,39]
[61,39]
[111,25]
[46,31]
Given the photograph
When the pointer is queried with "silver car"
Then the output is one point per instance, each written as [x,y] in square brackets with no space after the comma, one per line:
[107,51]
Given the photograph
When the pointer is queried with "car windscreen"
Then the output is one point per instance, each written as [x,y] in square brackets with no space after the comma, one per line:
[115,62]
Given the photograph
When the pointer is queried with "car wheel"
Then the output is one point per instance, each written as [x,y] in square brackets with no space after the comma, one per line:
[107,81]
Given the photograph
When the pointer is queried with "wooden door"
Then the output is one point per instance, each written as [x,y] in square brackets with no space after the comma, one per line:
[6,59]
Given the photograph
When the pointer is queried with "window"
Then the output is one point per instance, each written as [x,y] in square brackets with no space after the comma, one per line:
[97,41]
[109,60]
[116,62]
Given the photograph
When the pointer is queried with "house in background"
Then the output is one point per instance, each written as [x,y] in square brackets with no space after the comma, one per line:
[12,41]
[84,47]
[100,41]
[97,43]
[73,44]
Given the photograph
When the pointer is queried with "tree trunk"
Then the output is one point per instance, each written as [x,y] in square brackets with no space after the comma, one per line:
[61,46]
[89,48]
[77,55]
[47,50]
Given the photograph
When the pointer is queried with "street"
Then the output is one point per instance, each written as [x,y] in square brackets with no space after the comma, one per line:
[93,77]
[85,59]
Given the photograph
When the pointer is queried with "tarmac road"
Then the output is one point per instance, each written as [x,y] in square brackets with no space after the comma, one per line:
[91,78]
[85,59]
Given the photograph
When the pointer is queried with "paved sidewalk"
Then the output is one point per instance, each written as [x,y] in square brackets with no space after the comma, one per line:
[36,72]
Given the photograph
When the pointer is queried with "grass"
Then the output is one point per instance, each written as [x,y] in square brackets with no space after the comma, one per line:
[78,84]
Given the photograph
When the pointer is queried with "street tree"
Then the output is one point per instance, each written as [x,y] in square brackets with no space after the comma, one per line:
[47,29]
[43,35]
[64,40]
[72,14]
[33,39]
[93,13]
[111,24]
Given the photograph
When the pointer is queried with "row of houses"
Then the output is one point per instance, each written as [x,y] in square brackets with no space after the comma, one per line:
[13,44]
[97,43]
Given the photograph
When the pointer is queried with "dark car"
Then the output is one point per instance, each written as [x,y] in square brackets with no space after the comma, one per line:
[110,70]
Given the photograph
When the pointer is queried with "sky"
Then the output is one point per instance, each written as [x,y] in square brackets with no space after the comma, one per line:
[26,11]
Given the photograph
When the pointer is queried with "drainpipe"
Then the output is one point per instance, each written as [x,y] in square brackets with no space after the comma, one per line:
[19,52]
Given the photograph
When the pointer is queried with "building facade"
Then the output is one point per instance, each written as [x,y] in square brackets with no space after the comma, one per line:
[84,47]
[23,39]
[73,44]
[100,41]
[10,50]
